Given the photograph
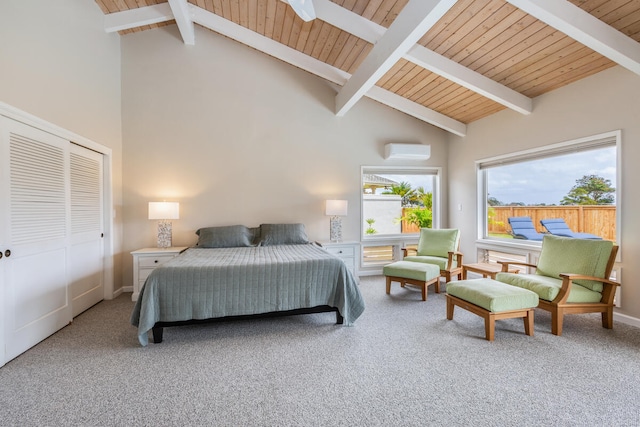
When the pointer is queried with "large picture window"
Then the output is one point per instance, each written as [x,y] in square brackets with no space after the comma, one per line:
[570,189]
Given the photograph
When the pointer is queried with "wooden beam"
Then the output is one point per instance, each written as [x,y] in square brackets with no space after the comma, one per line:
[266,45]
[182,15]
[469,79]
[134,18]
[328,72]
[410,25]
[586,29]
[426,58]
[352,23]
[416,110]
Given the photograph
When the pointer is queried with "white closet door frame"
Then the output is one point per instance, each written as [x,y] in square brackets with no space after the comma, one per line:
[109,212]
[9,112]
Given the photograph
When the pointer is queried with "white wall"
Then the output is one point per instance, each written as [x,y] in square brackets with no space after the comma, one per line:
[238,137]
[57,63]
[603,102]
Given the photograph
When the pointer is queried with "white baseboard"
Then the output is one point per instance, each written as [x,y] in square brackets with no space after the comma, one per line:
[628,320]
[127,289]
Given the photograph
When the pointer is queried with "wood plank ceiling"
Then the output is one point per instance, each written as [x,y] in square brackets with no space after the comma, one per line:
[493,43]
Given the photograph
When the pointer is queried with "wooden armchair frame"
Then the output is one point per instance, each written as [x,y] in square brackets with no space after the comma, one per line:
[448,272]
[559,306]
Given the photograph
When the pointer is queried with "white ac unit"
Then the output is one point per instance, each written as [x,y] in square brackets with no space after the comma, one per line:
[407,151]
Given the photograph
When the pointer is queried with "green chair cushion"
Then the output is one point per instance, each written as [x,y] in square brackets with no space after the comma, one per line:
[440,262]
[492,295]
[438,242]
[547,288]
[412,270]
[578,256]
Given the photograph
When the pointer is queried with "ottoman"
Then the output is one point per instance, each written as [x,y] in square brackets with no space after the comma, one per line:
[492,301]
[415,273]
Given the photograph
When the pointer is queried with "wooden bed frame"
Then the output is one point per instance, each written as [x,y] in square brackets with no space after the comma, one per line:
[158,328]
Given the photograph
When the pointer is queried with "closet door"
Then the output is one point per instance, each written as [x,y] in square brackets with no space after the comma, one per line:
[86,251]
[35,231]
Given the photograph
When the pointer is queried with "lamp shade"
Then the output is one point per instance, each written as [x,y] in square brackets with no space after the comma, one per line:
[336,208]
[164,210]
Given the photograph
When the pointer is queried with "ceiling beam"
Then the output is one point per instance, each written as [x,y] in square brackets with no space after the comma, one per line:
[266,45]
[469,79]
[410,25]
[585,29]
[133,18]
[127,19]
[416,110]
[367,30]
[314,66]
[183,19]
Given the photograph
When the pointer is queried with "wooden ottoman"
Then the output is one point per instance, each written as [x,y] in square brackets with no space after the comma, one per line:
[492,301]
[415,273]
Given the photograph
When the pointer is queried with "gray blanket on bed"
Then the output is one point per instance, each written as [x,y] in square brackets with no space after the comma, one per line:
[211,283]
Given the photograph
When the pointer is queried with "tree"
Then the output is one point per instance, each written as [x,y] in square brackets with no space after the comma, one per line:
[590,190]
[403,190]
[423,218]
[492,201]
[424,198]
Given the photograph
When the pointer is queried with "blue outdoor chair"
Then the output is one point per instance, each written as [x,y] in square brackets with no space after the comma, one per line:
[522,228]
[558,227]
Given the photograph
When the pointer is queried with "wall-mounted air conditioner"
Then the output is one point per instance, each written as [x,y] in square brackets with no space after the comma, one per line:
[407,151]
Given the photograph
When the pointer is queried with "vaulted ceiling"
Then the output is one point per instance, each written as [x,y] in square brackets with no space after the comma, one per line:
[445,62]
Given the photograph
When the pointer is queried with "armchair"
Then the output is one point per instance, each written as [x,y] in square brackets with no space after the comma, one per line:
[572,277]
[438,247]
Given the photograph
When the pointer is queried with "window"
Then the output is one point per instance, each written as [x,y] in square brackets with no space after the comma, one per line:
[575,181]
[396,203]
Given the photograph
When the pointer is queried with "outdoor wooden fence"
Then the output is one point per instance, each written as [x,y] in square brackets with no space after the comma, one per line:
[595,219]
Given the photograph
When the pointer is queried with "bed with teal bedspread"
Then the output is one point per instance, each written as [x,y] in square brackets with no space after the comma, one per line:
[209,283]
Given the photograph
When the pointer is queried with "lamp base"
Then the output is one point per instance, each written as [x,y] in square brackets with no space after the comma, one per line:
[164,234]
[335,229]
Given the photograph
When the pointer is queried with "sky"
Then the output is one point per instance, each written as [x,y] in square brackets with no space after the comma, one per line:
[549,180]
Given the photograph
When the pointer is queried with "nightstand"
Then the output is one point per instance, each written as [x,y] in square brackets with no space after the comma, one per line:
[349,252]
[146,260]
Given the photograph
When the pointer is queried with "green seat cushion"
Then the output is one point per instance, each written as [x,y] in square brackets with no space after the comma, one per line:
[438,242]
[412,270]
[577,256]
[440,262]
[547,288]
[492,295]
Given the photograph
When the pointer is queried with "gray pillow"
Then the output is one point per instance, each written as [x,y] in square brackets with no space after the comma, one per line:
[231,236]
[282,234]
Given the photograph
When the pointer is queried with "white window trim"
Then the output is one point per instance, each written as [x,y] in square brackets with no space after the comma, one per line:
[397,240]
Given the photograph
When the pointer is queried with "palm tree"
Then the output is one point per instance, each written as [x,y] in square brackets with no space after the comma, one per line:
[424,198]
[403,190]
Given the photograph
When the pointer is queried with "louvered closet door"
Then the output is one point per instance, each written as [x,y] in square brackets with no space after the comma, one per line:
[35,171]
[86,256]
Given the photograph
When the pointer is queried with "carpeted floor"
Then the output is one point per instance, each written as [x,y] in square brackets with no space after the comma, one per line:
[402,363]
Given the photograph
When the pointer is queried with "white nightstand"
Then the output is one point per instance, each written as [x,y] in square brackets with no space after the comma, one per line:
[348,251]
[146,260]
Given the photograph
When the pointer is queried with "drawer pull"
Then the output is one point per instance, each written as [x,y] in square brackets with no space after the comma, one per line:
[155,260]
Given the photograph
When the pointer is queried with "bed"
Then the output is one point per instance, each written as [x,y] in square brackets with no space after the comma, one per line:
[237,271]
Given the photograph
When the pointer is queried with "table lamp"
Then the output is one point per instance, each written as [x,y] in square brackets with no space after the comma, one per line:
[335,209]
[163,212]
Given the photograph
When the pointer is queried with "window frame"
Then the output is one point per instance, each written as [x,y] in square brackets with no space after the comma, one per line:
[607,139]
[399,240]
